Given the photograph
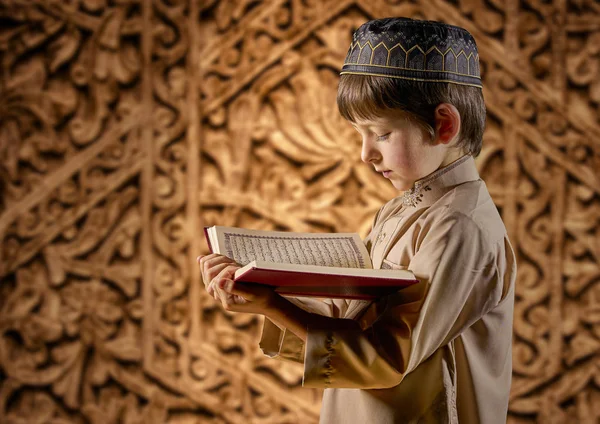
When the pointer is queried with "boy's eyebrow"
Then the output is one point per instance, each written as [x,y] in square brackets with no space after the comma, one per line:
[371,125]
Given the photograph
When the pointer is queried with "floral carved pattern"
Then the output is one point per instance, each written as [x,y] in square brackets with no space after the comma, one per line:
[126,126]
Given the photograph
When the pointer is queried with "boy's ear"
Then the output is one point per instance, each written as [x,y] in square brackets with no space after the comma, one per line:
[447,123]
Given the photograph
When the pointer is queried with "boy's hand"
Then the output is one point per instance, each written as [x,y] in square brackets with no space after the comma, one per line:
[246,297]
[213,267]
[218,272]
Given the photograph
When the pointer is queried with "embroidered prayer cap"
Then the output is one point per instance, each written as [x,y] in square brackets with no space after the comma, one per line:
[415,50]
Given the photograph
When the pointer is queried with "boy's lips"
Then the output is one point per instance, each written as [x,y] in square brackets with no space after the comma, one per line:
[385,172]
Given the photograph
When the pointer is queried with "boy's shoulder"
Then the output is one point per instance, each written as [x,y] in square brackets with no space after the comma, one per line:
[471,202]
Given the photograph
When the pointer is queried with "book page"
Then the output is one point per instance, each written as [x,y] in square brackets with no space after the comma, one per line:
[345,250]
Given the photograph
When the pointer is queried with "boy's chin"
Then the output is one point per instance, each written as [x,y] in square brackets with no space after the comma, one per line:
[402,185]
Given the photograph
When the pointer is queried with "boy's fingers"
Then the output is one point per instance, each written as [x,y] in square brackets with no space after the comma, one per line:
[208,262]
[201,264]
[232,302]
[239,289]
[207,277]
[203,258]
[225,299]
[213,273]
[227,272]
[210,283]
[217,273]
[220,295]
[214,258]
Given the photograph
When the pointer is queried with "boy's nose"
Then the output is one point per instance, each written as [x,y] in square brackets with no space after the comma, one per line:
[368,153]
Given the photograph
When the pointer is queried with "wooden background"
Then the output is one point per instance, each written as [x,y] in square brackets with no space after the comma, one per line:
[127,125]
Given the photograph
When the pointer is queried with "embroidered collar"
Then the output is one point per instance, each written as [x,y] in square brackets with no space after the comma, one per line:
[430,188]
[413,196]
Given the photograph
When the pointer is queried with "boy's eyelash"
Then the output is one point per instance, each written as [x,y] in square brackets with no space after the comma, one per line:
[383,137]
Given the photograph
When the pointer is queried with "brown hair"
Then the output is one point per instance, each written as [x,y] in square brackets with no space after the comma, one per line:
[366,97]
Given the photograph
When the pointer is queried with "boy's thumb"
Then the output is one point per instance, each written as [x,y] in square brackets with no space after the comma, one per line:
[238,288]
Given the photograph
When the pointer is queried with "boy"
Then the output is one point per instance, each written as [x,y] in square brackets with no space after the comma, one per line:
[439,351]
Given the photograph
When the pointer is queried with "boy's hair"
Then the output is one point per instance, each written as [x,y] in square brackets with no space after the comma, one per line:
[367,97]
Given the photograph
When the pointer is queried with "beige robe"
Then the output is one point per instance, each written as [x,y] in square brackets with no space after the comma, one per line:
[439,351]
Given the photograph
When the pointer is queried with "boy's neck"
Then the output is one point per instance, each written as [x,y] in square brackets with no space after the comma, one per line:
[452,156]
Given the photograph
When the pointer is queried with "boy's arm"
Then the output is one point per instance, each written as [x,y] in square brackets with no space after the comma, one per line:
[284,329]
[286,314]
[463,277]
[277,340]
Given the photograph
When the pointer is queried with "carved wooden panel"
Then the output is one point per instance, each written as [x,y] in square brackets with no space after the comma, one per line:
[127,125]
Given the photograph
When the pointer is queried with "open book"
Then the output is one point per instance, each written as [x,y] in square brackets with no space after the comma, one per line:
[306,264]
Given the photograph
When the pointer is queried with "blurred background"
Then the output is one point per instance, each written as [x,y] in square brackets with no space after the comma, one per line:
[128,125]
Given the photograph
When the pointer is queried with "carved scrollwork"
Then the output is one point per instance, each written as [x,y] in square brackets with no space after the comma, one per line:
[126,126]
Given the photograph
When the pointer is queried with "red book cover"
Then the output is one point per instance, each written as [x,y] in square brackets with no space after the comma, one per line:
[326,285]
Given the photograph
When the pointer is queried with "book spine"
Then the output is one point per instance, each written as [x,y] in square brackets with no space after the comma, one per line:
[208,240]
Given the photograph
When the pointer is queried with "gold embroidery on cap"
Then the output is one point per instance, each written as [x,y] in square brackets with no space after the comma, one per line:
[456,55]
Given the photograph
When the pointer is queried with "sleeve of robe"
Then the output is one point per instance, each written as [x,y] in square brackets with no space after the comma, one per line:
[281,343]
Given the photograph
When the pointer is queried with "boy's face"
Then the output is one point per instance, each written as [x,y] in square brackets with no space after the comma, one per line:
[400,150]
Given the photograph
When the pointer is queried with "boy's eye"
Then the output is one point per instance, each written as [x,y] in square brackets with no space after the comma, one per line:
[383,137]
